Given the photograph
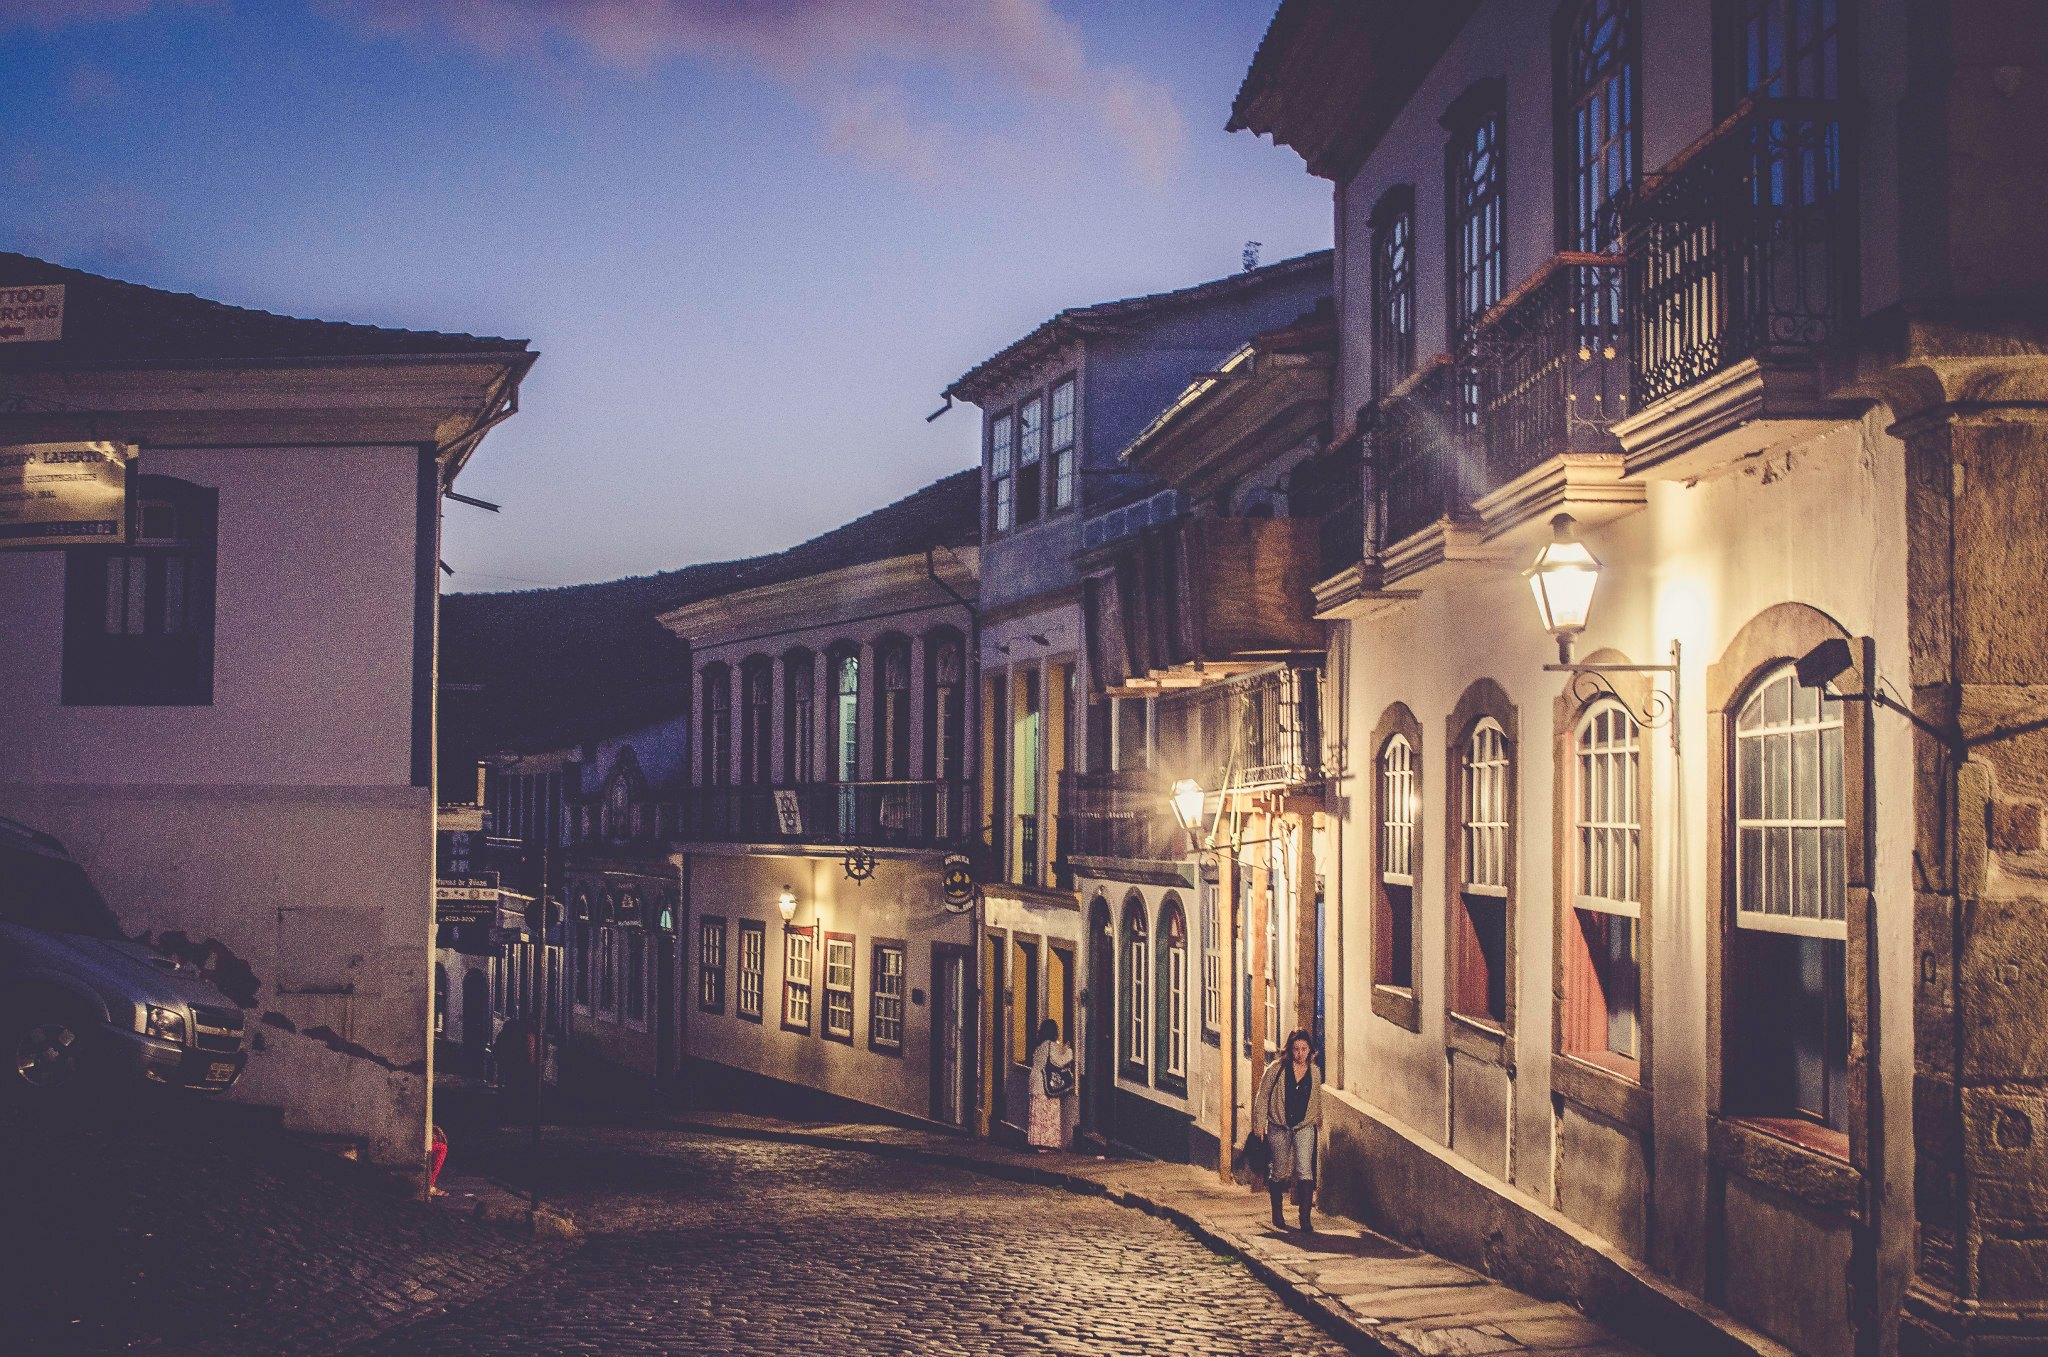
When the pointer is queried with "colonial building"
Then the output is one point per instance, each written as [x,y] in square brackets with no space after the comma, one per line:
[1681,957]
[833,775]
[228,711]
[1058,406]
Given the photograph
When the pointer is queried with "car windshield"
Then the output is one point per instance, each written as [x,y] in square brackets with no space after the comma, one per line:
[52,894]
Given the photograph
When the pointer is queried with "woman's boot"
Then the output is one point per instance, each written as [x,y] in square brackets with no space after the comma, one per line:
[1304,1192]
[1279,1221]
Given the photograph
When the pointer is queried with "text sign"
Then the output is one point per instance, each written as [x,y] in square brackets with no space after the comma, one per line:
[483,887]
[31,315]
[64,494]
[789,812]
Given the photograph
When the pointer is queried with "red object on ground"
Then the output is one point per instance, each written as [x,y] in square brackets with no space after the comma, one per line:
[439,1157]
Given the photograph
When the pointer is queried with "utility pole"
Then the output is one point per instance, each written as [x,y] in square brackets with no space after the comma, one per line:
[538,1021]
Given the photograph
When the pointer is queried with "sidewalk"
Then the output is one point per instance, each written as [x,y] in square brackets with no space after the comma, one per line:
[1374,1294]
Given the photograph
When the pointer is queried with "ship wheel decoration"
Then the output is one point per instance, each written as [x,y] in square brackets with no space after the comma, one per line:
[860,863]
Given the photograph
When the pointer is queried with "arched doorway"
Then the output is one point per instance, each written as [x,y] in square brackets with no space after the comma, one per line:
[1098,1068]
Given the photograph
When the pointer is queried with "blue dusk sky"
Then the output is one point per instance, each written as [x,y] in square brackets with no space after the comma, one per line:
[752,239]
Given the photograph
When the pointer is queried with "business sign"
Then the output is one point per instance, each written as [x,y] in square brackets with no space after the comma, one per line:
[466,899]
[789,811]
[64,494]
[31,315]
[460,820]
[956,882]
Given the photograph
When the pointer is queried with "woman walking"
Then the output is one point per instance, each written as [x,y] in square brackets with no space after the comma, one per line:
[1289,1112]
[1052,1090]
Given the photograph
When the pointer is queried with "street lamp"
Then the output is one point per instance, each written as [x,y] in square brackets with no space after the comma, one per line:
[786,903]
[1563,578]
[1187,805]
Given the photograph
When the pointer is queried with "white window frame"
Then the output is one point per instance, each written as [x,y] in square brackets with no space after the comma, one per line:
[1137,956]
[1177,1007]
[751,977]
[1486,834]
[1002,471]
[1795,827]
[798,947]
[1063,431]
[1607,829]
[1212,958]
[838,993]
[710,964]
[1397,810]
[885,1005]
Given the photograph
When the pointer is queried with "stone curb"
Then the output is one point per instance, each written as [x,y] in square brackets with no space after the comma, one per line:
[1300,1296]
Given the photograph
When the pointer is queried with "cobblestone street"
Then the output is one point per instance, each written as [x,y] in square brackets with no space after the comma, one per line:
[703,1245]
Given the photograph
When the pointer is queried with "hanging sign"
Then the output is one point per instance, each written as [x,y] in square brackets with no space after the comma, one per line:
[64,494]
[789,812]
[31,315]
[956,882]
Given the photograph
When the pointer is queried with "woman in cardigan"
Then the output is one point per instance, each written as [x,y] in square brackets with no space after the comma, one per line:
[1288,1111]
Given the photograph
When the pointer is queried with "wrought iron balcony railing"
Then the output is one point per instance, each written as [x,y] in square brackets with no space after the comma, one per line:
[1416,451]
[1547,367]
[1742,248]
[909,814]
[1331,489]
[1122,815]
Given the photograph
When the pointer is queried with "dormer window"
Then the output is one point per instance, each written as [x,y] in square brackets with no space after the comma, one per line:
[1030,459]
[1040,432]
[138,619]
[1002,485]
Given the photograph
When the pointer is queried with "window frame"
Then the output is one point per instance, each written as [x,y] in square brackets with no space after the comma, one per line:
[833,942]
[710,968]
[1134,1025]
[1475,272]
[1393,349]
[1483,1035]
[1211,897]
[1001,457]
[877,973]
[149,667]
[1065,455]
[793,988]
[1584,192]
[1397,1003]
[1170,1029]
[756,931]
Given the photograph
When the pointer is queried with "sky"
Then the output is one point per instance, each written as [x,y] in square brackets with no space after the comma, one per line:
[752,239]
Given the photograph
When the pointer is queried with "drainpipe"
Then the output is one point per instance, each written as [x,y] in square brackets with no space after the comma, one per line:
[970,773]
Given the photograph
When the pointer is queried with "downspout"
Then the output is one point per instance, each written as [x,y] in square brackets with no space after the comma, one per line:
[970,772]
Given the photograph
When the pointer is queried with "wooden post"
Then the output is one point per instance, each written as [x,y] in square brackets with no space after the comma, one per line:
[1226,1048]
[1256,956]
[1306,943]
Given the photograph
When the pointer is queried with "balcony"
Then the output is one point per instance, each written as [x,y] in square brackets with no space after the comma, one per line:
[1741,260]
[877,814]
[1330,489]
[1418,454]
[1548,367]
[1123,817]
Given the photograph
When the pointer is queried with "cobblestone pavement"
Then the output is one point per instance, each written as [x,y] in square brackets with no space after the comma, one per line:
[705,1245]
[174,1229]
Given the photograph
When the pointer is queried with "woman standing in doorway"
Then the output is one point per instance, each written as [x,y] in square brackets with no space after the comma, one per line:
[1049,1126]
[1289,1108]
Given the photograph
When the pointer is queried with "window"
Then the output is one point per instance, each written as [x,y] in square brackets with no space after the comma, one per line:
[1784,49]
[583,952]
[757,718]
[1002,485]
[1601,1018]
[1023,999]
[1173,992]
[1030,458]
[1479,916]
[839,986]
[607,972]
[1473,179]
[799,719]
[636,975]
[1212,962]
[1788,952]
[892,736]
[796,979]
[1393,289]
[885,1004]
[717,726]
[947,703]
[846,717]
[753,957]
[711,964]
[138,619]
[1596,124]
[1137,956]
[1063,444]
[1394,941]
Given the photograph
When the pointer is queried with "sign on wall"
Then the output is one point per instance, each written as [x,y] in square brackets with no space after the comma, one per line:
[789,812]
[32,314]
[466,899]
[64,494]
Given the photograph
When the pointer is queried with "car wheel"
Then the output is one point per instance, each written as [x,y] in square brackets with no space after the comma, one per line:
[46,1048]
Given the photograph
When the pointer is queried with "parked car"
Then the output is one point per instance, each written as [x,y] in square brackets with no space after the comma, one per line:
[80,1004]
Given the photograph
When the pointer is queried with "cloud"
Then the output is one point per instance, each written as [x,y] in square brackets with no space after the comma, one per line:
[829,52]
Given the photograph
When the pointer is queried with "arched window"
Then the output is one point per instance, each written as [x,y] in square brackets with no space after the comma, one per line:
[799,718]
[1597,126]
[892,713]
[1788,947]
[1602,970]
[1137,959]
[1394,923]
[1173,993]
[845,716]
[1476,214]
[1479,917]
[717,726]
[1393,288]
[946,707]
[138,619]
[618,801]
[757,717]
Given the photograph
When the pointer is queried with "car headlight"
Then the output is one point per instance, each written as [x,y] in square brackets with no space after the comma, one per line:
[165,1024]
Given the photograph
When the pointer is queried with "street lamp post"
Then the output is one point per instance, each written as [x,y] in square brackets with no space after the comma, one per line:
[1563,578]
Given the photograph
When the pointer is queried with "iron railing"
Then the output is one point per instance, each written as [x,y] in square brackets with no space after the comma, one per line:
[1416,454]
[1124,815]
[1548,367]
[909,814]
[1331,489]
[1742,248]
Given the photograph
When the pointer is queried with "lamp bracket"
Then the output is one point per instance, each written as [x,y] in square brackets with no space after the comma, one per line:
[1658,709]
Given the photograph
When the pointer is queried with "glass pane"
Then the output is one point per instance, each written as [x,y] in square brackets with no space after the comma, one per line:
[1751,715]
[1805,704]
[1833,874]
[1777,697]
[1777,776]
[1831,773]
[1749,779]
[1777,871]
[1806,774]
[1806,902]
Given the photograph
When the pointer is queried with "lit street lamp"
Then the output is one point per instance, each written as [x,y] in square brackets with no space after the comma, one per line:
[1563,578]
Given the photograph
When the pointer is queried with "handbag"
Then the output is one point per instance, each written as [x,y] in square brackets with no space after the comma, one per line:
[1059,1079]
[1256,1157]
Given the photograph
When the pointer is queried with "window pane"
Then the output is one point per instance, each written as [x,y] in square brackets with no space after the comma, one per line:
[1777,776]
[1831,769]
[1030,432]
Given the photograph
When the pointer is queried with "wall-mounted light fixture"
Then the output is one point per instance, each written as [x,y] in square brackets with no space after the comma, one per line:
[786,903]
[1832,658]
[1563,577]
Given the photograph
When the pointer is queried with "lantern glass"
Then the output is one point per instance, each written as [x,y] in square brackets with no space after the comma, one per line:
[1187,804]
[1563,578]
[786,903]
